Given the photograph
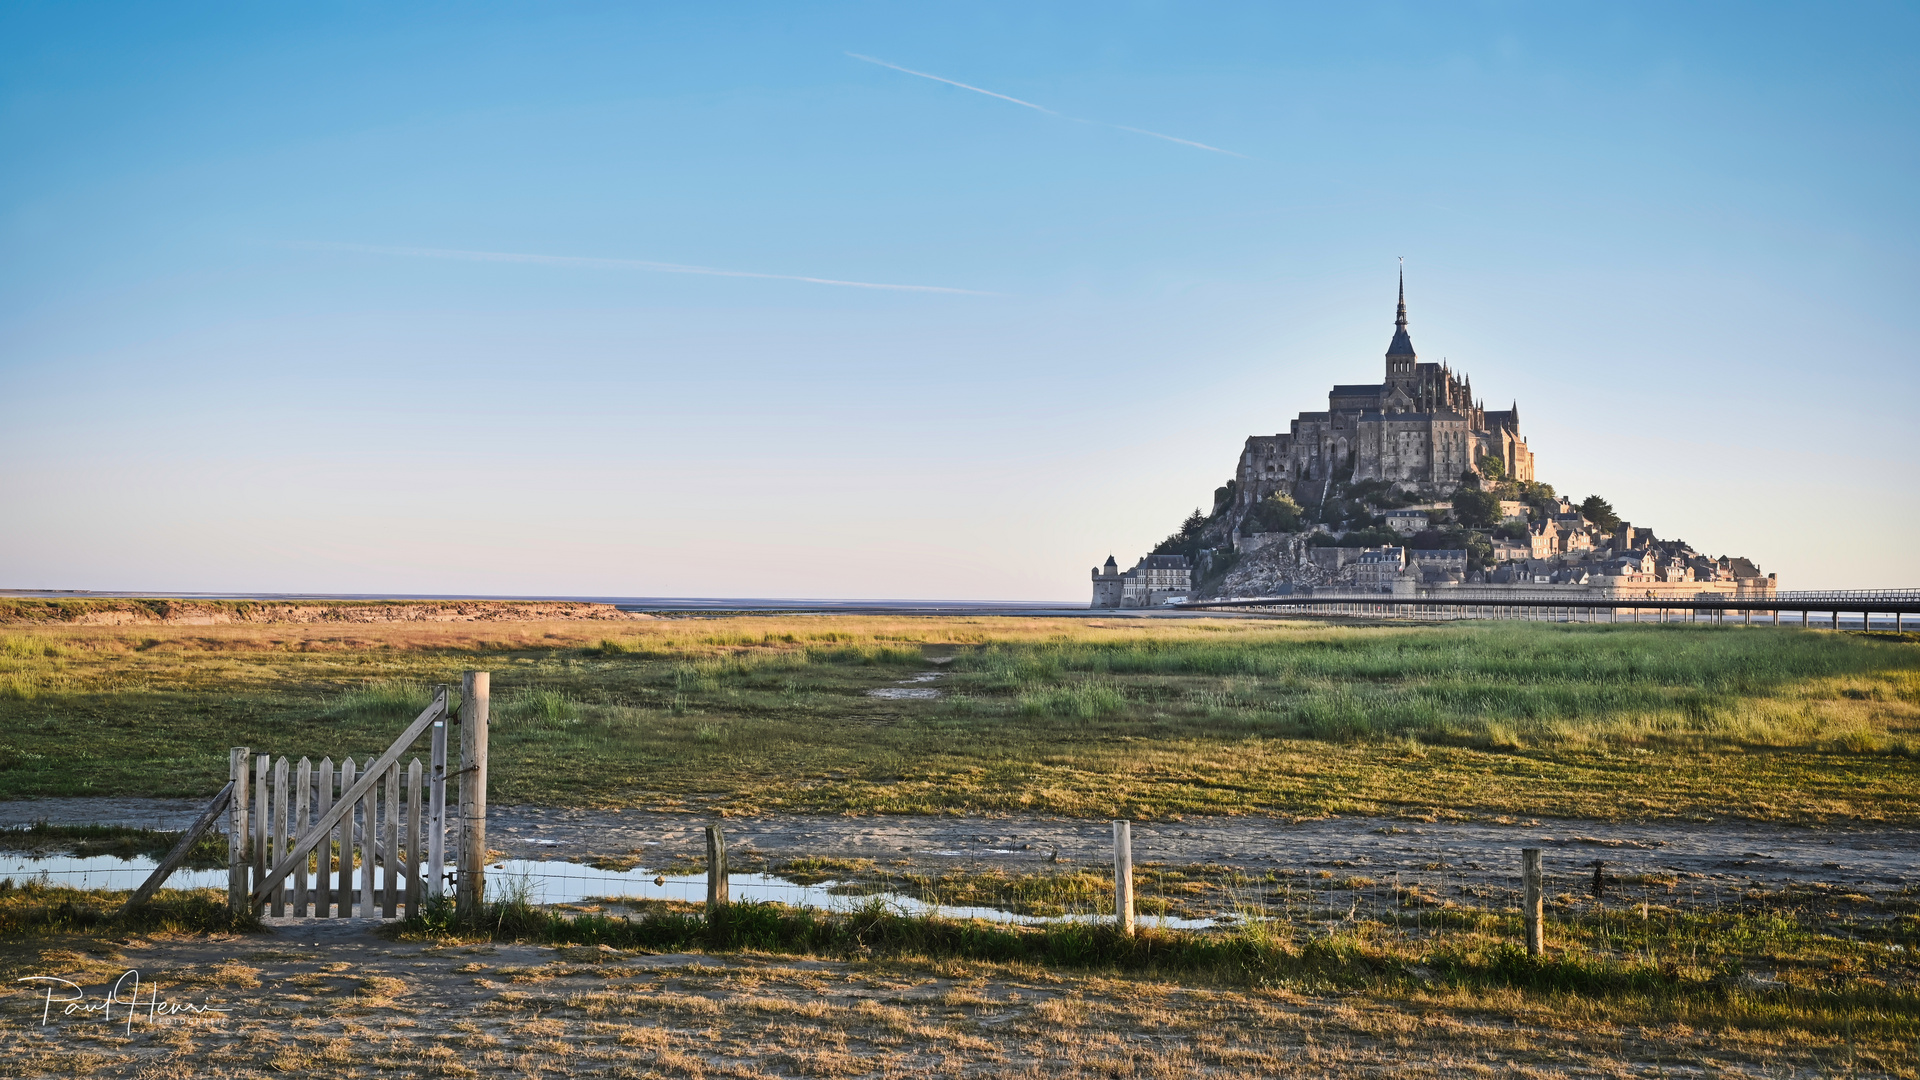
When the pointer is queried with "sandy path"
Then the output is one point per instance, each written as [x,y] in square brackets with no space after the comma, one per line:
[1713,858]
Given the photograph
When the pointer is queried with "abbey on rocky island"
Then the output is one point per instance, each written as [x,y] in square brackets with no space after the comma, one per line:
[1408,485]
[1420,429]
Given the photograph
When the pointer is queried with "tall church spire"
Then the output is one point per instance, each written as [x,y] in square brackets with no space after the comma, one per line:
[1400,354]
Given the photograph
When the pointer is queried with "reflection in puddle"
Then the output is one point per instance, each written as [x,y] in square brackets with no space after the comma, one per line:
[546,882]
[101,872]
[563,883]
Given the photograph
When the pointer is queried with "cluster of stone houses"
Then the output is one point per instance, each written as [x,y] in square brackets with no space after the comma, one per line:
[1153,581]
[1562,551]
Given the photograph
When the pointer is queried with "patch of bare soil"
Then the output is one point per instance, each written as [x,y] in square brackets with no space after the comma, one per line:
[319,998]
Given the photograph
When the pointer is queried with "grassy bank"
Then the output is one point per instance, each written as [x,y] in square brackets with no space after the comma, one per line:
[1754,971]
[1083,717]
[770,991]
[1774,982]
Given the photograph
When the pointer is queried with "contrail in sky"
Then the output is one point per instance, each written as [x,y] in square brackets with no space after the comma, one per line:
[625,264]
[961,85]
[1043,108]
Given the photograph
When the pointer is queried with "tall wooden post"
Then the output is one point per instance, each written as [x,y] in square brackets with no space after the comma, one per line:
[471,887]
[1531,906]
[237,884]
[718,894]
[437,814]
[1123,877]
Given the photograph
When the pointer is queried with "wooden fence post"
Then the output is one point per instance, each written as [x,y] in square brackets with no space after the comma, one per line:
[437,814]
[1531,907]
[717,892]
[237,886]
[1123,876]
[471,889]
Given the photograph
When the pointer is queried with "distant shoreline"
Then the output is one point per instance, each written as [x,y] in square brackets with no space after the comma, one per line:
[305,607]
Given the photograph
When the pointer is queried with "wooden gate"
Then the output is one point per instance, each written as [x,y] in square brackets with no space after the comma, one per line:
[344,842]
[340,842]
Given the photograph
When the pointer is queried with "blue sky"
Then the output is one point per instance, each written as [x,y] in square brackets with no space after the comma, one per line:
[366,298]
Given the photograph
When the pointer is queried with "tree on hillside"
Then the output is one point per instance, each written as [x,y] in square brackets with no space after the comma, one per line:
[1600,512]
[1187,540]
[1540,498]
[1492,468]
[1275,513]
[1476,509]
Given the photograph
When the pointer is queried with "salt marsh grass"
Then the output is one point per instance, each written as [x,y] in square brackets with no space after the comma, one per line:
[380,699]
[1079,716]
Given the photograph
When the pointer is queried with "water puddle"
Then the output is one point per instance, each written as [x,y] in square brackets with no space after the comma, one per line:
[545,882]
[905,691]
[100,872]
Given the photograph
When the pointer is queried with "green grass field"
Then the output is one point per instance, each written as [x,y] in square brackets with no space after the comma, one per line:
[1081,717]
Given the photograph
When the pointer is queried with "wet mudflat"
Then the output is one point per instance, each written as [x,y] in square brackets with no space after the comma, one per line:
[1707,861]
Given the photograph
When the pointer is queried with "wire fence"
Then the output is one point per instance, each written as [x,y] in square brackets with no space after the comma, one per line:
[1620,903]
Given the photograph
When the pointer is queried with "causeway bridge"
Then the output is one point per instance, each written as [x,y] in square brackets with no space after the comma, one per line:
[1873,609]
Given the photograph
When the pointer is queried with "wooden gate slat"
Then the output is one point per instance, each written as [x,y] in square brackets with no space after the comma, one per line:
[261,766]
[413,838]
[369,816]
[237,828]
[389,839]
[347,771]
[302,799]
[323,801]
[277,830]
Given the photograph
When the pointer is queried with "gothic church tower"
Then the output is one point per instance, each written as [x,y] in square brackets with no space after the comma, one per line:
[1400,355]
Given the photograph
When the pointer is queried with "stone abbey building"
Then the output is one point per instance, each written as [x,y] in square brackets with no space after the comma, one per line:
[1419,428]
[1385,461]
